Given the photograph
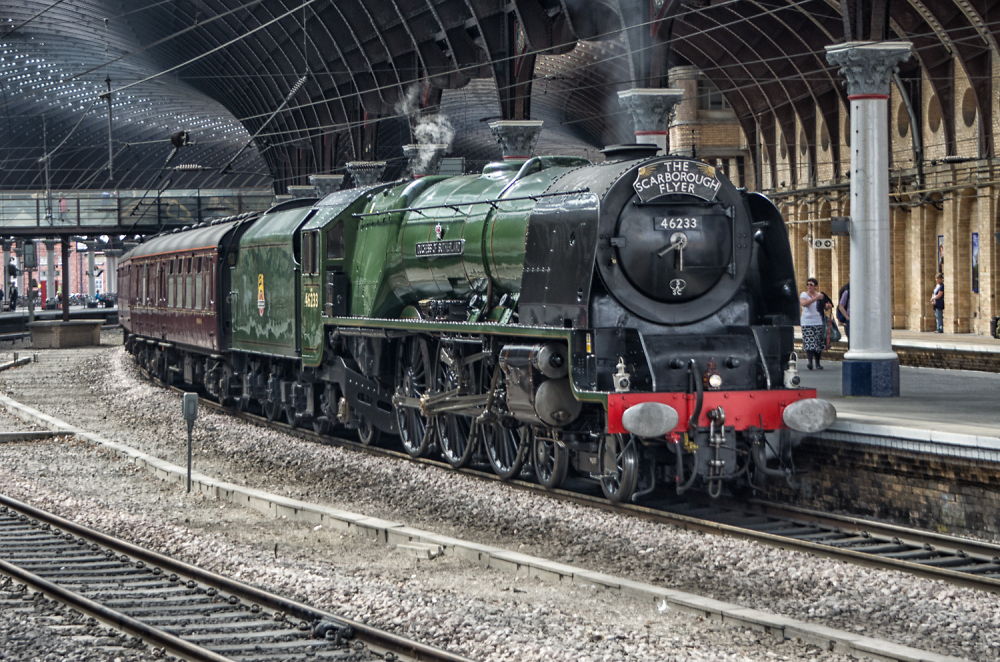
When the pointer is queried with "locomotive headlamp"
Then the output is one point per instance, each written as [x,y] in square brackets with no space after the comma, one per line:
[810,415]
[715,381]
[650,419]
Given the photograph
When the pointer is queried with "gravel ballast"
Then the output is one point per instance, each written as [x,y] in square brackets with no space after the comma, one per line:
[478,612]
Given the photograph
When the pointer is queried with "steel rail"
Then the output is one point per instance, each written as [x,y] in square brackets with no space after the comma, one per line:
[366,633]
[942,543]
[151,635]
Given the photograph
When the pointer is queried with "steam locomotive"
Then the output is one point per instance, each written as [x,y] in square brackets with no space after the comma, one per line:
[627,322]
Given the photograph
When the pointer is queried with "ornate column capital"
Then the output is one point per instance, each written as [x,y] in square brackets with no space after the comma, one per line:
[299,191]
[868,65]
[365,173]
[326,184]
[517,138]
[650,107]
[424,158]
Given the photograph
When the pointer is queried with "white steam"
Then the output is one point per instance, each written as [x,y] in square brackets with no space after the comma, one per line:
[434,130]
[427,129]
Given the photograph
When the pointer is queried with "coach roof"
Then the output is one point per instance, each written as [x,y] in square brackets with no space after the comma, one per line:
[199,237]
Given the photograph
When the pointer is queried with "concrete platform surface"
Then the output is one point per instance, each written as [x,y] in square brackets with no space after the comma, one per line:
[958,401]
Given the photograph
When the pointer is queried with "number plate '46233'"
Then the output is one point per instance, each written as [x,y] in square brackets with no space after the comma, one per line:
[679,223]
[311,300]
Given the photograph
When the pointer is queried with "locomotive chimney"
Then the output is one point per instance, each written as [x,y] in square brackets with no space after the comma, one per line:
[424,159]
[326,184]
[650,110]
[517,138]
[365,173]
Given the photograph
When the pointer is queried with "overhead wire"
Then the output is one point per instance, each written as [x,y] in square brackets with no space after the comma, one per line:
[298,132]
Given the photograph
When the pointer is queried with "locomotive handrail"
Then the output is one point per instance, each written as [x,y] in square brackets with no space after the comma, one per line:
[493,203]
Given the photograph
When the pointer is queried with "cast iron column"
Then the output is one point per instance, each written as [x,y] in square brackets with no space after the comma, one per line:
[91,268]
[50,270]
[6,260]
[111,270]
[870,366]
[650,110]
[65,278]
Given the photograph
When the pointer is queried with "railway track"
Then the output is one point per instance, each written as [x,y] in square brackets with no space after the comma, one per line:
[959,561]
[189,612]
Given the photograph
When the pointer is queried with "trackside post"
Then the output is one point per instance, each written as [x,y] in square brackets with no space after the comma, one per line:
[190,408]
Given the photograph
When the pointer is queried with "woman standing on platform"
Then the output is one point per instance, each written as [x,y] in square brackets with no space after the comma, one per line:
[814,304]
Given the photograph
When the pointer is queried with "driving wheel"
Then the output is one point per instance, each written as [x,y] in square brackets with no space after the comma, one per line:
[456,431]
[294,419]
[619,461]
[551,460]
[368,434]
[413,380]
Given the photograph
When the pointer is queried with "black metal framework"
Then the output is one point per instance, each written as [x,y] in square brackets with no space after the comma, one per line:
[546,59]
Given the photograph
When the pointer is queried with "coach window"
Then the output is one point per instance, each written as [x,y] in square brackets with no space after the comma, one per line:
[144,285]
[335,242]
[210,283]
[198,285]
[161,285]
[170,286]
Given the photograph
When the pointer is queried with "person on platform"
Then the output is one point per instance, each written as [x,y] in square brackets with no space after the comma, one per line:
[814,306]
[844,309]
[937,300]
[13,297]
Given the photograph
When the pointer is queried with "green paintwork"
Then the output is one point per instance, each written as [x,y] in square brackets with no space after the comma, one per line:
[387,279]
[268,262]
[335,210]
[387,276]
[311,319]
[378,284]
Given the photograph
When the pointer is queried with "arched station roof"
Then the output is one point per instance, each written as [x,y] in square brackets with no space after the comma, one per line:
[339,72]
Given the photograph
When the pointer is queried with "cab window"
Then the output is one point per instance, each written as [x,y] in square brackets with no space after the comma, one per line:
[335,242]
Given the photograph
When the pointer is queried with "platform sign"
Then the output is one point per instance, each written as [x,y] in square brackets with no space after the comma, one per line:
[975,262]
[30,260]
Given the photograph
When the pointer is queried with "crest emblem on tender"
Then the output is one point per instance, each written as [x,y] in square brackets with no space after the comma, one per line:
[438,231]
[677,286]
[260,294]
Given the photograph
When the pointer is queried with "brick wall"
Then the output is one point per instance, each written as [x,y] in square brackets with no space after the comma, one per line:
[956,200]
[924,358]
[945,494]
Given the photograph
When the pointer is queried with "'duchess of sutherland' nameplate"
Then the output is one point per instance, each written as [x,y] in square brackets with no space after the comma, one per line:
[677,176]
[440,248]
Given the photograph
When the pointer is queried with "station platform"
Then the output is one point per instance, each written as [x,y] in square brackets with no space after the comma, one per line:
[955,351]
[939,412]
[16,323]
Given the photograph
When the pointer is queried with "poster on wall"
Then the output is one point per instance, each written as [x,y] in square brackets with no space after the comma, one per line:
[940,268]
[975,262]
